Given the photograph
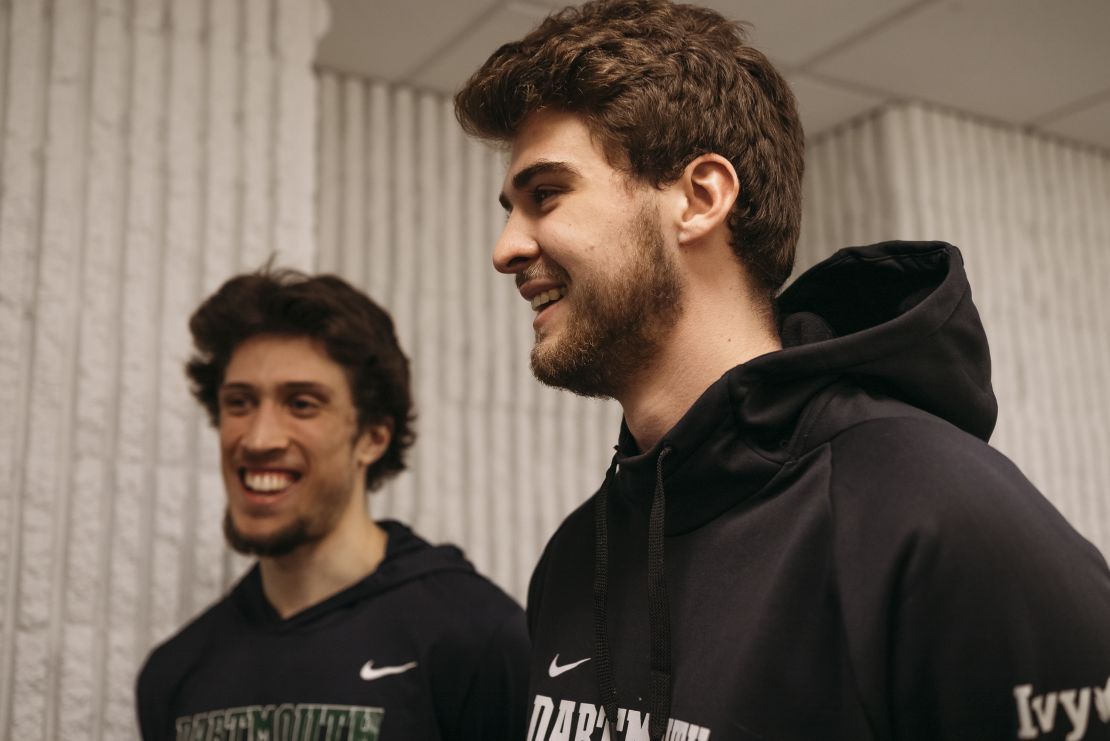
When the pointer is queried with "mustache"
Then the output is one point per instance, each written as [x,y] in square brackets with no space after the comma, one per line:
[535,271]
[257,457]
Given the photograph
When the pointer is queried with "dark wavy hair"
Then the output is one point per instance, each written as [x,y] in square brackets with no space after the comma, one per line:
[659,84]
[356,333]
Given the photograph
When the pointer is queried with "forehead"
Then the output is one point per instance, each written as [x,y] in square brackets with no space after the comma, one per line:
[275,360]
[557,137]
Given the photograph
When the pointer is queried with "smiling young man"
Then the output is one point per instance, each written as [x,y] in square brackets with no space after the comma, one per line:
[803,534]
[346,629]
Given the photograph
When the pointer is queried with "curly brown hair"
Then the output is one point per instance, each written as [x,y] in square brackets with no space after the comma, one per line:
[659,84]
[356,333]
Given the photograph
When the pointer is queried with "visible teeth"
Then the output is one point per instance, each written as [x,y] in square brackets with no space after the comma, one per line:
[266,480]
[543,299]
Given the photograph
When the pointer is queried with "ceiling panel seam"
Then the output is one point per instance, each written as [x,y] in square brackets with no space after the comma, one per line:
[1076,106]
[853,86]
[454,40]
[864,33]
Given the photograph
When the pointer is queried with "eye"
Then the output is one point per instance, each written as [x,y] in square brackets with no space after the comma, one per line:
[235,404]
[540,194]
[303,405]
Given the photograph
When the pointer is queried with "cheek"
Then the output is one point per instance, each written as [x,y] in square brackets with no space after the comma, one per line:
[586,245]
[229,433]
[330,444]
[565,235]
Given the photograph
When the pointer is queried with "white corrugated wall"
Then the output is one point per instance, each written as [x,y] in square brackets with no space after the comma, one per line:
[407,210]
[1032,217]
[148,150]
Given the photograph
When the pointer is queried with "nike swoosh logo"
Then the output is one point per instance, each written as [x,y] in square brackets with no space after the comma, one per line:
[369,673]
[555,670]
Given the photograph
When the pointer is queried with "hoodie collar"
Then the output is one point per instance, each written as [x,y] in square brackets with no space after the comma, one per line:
[407,557]
[709,456]
[896,318]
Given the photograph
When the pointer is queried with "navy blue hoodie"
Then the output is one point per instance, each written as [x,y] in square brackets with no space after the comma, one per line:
[422,648]
[836,552]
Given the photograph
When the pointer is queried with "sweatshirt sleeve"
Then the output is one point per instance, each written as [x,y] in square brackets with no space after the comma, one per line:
[150,702]
[496,694]
[535,590]
[972,609]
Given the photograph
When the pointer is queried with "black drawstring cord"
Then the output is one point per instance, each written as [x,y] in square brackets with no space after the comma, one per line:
[604,665]
[659,618]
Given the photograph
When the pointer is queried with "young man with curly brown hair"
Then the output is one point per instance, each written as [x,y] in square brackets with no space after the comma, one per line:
[803,534]
[347,628]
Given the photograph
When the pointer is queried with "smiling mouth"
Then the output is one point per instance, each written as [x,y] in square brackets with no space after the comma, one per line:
[545,299]
[267,482]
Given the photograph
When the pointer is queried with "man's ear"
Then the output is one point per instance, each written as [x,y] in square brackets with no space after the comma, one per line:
[372,443]
[711,187]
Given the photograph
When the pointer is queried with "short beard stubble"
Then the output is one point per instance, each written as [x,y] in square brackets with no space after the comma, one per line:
[615,326]
[281,543]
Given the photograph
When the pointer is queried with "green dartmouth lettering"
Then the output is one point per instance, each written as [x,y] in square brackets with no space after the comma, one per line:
[285,722]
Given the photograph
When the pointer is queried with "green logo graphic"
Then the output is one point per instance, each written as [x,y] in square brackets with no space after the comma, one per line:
[286,722]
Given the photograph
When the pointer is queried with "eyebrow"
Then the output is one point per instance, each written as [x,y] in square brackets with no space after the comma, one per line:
[295,387]
[521,180]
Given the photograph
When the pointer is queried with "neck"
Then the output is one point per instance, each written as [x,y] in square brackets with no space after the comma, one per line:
[710,338]
[316,571]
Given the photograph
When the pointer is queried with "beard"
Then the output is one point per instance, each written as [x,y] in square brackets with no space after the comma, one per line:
[280,543]
[329,500]
[614,326]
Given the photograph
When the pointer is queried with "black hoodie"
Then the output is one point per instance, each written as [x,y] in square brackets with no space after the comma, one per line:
[422,648]
[836,552]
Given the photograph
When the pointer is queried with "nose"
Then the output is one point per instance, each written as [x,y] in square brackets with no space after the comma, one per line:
[516,248]
[266,431]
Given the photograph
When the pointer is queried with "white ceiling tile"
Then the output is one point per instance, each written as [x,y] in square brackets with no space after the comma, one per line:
[822,105]
[388,39]
[1090,124]
[1013,60]
[548,5]
[450,69]
[792,31]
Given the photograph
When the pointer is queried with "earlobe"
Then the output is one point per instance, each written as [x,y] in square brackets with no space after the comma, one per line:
[711,187]
[372,444]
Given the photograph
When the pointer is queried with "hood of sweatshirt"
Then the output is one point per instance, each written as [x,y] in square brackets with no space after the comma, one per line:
[895,319]
[407,557]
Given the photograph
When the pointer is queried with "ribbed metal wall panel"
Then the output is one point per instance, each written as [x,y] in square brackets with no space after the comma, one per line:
[407,210]
[148,150]
[1032,217]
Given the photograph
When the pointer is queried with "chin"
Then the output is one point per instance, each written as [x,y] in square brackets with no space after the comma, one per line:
[269,542]
[558,370]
